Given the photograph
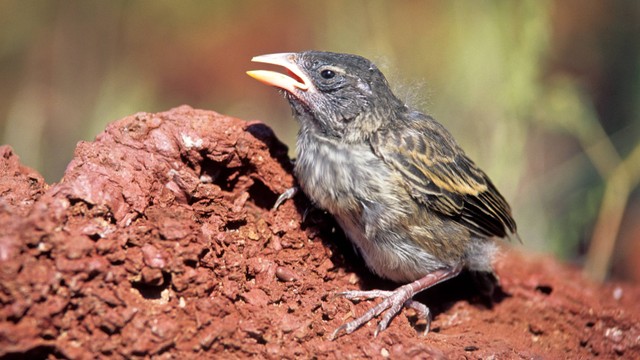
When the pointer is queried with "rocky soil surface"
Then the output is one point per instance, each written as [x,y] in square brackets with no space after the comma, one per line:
[160,242]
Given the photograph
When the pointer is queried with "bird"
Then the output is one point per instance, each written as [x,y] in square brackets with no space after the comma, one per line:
[417,209]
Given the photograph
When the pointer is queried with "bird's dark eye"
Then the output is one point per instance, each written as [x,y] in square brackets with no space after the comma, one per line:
[327,74]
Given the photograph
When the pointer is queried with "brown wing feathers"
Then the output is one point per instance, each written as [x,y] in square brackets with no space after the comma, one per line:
[440,176]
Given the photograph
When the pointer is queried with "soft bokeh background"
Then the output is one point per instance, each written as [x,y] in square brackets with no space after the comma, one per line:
[544,95]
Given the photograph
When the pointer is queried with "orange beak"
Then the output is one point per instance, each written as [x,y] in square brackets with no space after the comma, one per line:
[296,79]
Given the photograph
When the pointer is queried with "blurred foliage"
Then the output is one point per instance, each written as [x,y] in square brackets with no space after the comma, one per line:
[544,95]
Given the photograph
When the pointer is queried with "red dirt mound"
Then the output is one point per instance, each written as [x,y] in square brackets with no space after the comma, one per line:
[159,242]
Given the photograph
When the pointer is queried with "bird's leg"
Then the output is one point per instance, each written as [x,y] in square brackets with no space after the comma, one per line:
[395,300]
[286,195]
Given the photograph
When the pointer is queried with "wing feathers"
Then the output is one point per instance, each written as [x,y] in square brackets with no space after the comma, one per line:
[439,175]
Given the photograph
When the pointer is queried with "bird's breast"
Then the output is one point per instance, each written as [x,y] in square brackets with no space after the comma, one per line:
[338,177]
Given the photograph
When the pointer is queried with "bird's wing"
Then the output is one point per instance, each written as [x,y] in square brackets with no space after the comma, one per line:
[440,176]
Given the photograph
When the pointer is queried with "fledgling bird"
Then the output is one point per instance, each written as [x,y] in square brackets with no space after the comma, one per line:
[416,207]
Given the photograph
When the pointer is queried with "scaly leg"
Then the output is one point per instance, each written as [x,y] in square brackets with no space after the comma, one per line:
[395,300]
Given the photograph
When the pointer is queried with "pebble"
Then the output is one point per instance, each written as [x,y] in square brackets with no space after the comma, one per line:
[285,274]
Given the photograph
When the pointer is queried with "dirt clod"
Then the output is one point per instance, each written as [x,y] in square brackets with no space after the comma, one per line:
[160,242]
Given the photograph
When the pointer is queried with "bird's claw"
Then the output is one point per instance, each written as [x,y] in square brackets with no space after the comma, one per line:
[392,304]
[336,332]
[422,311]
[286,195]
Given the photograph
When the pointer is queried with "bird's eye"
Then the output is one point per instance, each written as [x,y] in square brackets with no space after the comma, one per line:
[327,74]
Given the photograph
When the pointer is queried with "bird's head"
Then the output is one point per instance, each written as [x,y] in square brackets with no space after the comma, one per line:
[339,95]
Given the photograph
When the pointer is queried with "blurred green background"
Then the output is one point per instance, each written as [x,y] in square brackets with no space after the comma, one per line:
[544,95]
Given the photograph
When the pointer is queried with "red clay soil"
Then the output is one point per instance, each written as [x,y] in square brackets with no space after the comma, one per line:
[159,242]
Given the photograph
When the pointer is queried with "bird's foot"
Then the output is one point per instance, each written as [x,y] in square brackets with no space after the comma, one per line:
[286,195]
[394,301]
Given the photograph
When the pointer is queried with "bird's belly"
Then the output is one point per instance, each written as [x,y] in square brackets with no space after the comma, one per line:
[390,254]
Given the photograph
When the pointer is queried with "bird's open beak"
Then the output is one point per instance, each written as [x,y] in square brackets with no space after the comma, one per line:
[296,79]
